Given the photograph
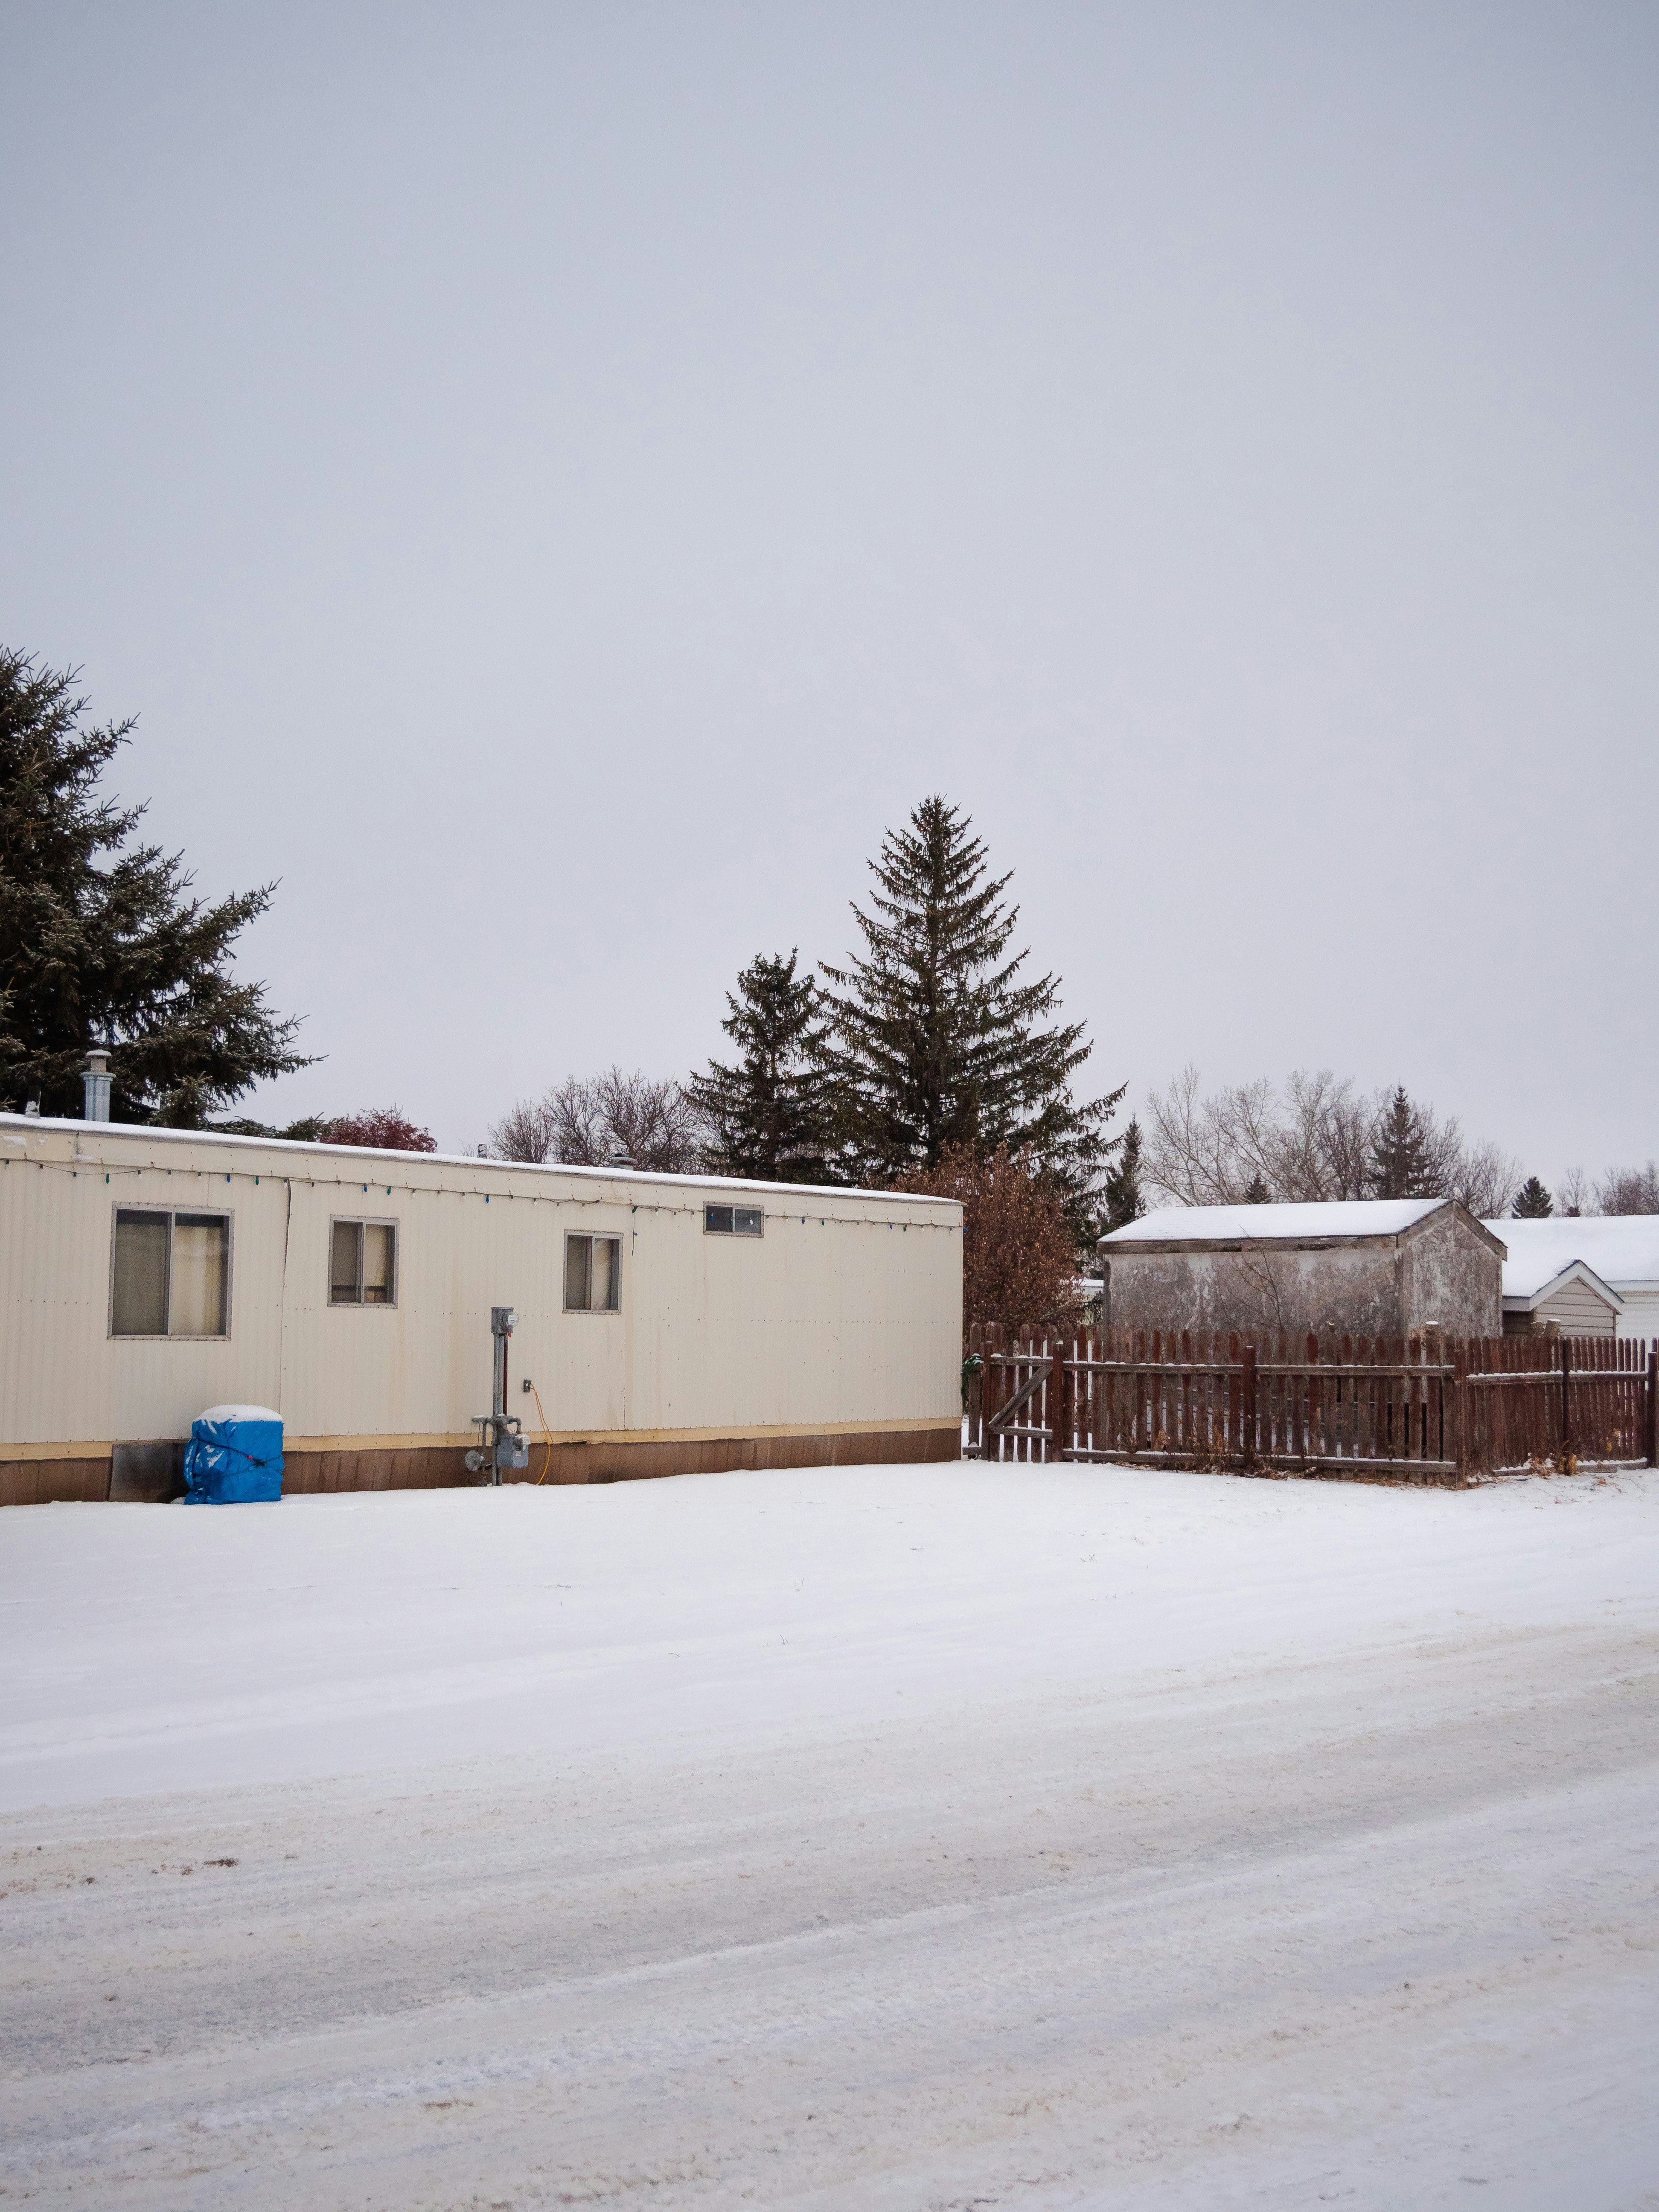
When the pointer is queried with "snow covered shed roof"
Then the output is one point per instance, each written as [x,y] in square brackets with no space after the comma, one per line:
[1343,1219]
[1622,1250]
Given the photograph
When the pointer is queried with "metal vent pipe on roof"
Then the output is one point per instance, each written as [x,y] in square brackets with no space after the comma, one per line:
[95,1083]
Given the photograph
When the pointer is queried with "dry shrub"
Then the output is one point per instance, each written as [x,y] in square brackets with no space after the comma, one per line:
[382,1129]
[1018,1264]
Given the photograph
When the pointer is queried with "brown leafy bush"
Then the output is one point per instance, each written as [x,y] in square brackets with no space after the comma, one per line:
[1018,1264]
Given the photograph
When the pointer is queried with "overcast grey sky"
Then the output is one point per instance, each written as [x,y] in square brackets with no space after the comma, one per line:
[556,483]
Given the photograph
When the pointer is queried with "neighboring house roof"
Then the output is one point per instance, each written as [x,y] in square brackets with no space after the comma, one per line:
[1623,1249]
[1275,1223]
[1530,1300]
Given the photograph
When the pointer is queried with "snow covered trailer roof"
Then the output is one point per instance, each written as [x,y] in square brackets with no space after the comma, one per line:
[667,1323]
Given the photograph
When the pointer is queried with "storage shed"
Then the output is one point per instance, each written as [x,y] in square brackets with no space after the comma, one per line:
[1360,1268]
[668,1323]
[1617,1255]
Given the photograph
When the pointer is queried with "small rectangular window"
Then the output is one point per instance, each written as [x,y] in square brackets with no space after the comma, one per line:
[734,1221]
[363,1263]
[592,1275]
[172,1273]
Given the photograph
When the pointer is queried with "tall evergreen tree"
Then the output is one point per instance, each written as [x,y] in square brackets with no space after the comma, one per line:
[100,941]
[1125,1201]
[1258,1193]
[936,1042]
[770,1116]
[1533,1203]
[1401,1166]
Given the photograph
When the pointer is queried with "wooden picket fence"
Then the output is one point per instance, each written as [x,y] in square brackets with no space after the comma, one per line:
[1425,1408]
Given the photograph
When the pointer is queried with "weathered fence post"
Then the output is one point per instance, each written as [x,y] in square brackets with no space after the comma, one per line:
[1059,1436]
[1653,1401]
[974,1371]
[1249,1408]
[1459,1423]
[1566,1400]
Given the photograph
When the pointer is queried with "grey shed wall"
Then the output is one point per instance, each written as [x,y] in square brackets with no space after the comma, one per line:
[1442,1273]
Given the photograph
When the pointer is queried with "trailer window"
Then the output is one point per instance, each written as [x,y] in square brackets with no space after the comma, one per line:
[362,1268]
[592,1275]
[171,1273]
[733,1221]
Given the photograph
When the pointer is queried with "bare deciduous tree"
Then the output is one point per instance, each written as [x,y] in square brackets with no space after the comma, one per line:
[1572,1193]
[1629,1190]
[525,1132]
[1313,1141]
[592,1120]
[1486,1178]
[1323,1141]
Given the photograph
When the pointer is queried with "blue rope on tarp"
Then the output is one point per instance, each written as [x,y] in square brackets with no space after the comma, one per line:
[234,1459]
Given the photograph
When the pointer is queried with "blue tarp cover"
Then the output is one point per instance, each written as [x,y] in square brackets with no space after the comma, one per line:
[234,1456]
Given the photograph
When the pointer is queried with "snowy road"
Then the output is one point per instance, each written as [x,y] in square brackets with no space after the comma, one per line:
[934,1837]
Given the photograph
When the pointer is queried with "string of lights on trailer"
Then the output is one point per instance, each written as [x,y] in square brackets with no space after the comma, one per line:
[507,1197]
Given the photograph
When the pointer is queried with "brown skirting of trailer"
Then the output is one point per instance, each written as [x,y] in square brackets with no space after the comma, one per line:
[443,1468]
[52,1481]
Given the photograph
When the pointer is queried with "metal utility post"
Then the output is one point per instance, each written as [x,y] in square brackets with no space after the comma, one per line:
[500,1441]
[501,1320]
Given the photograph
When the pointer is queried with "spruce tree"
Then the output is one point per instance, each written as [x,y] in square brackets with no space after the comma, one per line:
[1258,1193]
[1398,1149]
[770,1116]
[1125,1201]
[1533,1203]
[100,942]
[938,1044]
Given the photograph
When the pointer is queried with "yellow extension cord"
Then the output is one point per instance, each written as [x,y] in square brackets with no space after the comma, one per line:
[547,1437]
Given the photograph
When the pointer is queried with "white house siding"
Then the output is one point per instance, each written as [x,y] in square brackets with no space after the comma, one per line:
[1577,1311]
[833,1320]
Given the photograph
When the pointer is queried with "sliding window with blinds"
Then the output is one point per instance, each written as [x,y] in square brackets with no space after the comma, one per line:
[363,1263]
[170,1273]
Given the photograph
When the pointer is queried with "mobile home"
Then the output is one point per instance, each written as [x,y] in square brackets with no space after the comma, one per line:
[664,1324]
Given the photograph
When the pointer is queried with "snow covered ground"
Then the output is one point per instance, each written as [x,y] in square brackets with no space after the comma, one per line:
[916,1838]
